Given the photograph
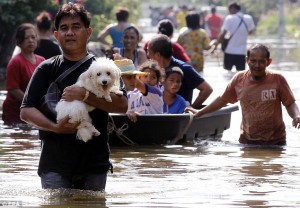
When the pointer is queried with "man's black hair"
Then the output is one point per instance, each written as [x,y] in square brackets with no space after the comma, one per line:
[71,9]
[235,5]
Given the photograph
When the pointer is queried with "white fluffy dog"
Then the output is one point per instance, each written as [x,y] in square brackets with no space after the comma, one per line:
[101,78]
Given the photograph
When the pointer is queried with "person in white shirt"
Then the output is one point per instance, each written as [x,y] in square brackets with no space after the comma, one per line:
[236,27]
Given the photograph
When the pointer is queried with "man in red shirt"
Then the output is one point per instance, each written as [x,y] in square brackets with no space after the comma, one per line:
[214,23]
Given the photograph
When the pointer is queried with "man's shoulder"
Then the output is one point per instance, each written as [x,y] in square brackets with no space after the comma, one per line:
[49,66]
[231,16]
[274,73]
[247,16]
[177,62]
[53,60]
[189,72]
[241,75]
[182,65]
[230,19]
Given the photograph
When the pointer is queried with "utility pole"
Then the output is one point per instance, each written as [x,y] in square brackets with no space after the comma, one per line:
[281,23]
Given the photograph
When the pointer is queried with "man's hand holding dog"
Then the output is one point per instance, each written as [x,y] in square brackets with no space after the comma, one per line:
[65,127]
[73,92]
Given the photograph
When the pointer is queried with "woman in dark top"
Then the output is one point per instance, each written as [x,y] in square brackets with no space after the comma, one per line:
[48,46]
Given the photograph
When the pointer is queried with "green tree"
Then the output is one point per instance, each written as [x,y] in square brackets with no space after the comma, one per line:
[13,13]
[103,12]
[268,24]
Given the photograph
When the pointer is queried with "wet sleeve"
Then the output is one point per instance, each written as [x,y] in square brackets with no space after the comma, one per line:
[286,94]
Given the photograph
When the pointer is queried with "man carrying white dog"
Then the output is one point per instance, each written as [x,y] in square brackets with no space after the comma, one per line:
[65,161]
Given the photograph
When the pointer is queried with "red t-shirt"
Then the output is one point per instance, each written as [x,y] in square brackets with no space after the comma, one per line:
[178,52]
[261,101]
[214,23]
[18,73]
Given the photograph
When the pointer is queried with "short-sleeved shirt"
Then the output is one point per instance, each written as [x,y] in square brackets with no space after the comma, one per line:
[215,23]
[194,42]
[191,79]
[179,52]
[261,105]
[176,107]
[148,103]
[19,72]
[63,153]
[238,43]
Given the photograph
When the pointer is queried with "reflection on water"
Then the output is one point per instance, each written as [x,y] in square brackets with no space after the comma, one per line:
[204,174]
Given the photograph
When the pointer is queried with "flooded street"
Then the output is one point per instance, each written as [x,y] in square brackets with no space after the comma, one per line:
[206,173]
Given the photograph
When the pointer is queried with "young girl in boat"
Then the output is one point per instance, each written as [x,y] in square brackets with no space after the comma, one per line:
[144,96]
[173,103]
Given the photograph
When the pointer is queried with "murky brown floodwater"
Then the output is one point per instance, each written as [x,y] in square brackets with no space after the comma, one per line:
[204,174]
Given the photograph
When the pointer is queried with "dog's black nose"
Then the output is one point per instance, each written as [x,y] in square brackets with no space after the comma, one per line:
[104,82]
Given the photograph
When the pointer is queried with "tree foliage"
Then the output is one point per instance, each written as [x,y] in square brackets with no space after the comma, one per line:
[268,24]
[13,13]
[103,12]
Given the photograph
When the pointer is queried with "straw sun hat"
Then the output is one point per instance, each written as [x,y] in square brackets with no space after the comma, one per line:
[127,67]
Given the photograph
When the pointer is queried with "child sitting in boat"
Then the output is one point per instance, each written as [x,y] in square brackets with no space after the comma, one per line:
[173,102]
[144,96]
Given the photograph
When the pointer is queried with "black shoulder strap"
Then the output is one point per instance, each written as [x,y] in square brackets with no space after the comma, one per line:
[238,26]
[245,24]
[72,68]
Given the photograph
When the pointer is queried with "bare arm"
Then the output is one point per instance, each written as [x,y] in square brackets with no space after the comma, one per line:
[215,105]
[142,56]
[205,91]
[293,112]
[34,117]
[102,36]
[141,86]
[118,105]
[219,40]
[221,37]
